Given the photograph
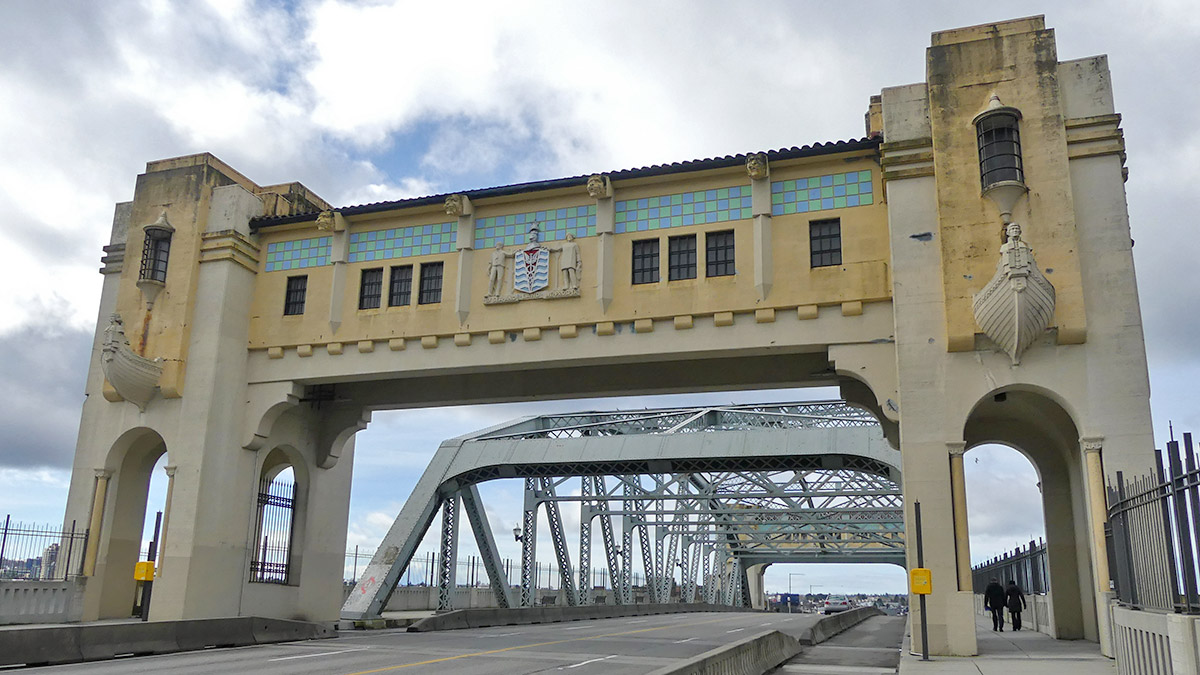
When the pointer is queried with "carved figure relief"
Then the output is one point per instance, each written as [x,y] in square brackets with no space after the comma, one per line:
[134,377]
[1017,305]
[454,205]
[598,186]
[756,166]
[325,221]
[531,271]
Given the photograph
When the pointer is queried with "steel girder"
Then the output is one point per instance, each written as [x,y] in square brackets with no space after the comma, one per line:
[778,483]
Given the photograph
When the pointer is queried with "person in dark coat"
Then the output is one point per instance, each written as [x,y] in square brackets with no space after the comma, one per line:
[993,601]
[1015,600]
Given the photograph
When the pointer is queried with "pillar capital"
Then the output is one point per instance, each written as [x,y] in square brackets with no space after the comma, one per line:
[170,469]
[103,474]
[1091,444]
[956,448]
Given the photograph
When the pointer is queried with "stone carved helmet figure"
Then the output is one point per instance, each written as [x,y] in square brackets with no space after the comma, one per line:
[454,205]
[1013,230]
[596,186]
[756,165]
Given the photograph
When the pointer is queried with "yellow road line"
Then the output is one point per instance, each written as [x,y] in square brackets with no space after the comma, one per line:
[538,644]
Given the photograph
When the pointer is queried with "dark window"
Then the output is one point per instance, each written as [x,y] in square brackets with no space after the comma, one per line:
[681,257]
[154,255]
[999,149]
[825,242]
[645,261]
[431,283]
[400,290]
[371,288]
[719,254]
[297,288]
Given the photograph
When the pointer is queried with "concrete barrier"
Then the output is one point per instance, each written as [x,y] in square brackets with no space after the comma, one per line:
[45,645]
[750,656]
[484,618]
[828,626]
[23,601]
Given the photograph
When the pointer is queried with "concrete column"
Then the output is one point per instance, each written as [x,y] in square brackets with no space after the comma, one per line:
[465,243]
[95,522]
[339,254]
[162,537]
[606,218]
[1097,517]
[958,495]
[760,201]
[758,593]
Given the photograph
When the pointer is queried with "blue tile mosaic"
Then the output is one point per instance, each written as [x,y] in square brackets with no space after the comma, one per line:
[298,254]
[682,209]
[403,242]
[821,193]
[553,224]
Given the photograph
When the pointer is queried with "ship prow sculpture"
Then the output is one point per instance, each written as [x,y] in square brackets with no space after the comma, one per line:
[134,377]
[1017,305]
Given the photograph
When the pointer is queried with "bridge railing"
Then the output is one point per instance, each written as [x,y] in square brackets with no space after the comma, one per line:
[32,552]
[1154,532]
[1024,565]
[422,571]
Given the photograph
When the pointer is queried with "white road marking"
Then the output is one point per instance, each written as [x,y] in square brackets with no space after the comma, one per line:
[767,623]
[639,621]
[584,663]
[309,656]
[577,627]
[491,635]
[735,630]
[682,641]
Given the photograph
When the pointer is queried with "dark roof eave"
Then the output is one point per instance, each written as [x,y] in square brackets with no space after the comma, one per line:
[815,150]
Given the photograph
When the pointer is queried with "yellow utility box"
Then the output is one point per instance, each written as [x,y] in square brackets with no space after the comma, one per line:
[143,571]
[921,581]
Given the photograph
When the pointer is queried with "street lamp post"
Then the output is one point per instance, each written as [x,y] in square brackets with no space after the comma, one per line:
[790,575]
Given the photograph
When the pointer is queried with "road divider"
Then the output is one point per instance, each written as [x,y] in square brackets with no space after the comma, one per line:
[484,618]
[833,624]
[46,645]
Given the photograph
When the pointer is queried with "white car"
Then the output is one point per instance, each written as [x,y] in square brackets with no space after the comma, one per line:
[836,603]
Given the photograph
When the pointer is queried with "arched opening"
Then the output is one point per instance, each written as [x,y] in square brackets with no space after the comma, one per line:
[130,464]
[280,503]
[1036,425]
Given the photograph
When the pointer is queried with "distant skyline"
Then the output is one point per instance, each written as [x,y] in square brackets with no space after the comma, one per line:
[372,101]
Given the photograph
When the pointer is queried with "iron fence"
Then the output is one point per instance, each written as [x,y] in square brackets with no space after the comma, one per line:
[273,544]
[1024,565]
[1154,531]
[471,572]
[41,552]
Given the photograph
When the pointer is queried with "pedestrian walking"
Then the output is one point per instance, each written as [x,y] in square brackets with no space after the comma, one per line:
[993,601]
[1015,600]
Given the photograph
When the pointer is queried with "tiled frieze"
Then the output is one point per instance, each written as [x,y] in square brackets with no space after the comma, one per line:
[553,224]
[298,254]
[821,193]
[402,242]
[682,209]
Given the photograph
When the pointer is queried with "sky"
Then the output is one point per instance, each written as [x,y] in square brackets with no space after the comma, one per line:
[373,100]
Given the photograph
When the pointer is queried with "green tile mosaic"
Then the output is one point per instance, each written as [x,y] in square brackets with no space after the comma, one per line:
[403,242]
[552,225]
[682,209]
[821,193]
[298,254]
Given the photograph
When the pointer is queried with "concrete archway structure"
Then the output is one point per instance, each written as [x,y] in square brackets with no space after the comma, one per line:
[282,321]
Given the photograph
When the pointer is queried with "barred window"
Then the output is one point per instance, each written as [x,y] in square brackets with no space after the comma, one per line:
[272,558]
[999,149]
[400,288]
[645,261]
[431,283]
[719,254]
[825,242]
[293,301]
[155,252]
[371,288]
[681,257]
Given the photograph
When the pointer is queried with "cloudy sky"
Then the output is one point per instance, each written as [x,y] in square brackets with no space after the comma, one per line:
[368,101]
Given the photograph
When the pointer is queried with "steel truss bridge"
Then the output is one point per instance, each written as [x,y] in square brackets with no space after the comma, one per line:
[705,492]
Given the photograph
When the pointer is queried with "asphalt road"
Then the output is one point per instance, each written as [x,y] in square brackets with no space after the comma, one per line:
[870,648]
[625,645]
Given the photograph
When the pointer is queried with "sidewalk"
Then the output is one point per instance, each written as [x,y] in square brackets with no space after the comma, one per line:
[1025,652]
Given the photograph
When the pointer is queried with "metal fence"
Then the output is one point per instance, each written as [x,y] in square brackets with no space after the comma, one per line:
[1024,565]
[422,571]
[1154,533]
[273,545]
[41,552]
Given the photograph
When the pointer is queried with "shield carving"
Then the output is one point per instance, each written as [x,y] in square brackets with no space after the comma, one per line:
[531,271]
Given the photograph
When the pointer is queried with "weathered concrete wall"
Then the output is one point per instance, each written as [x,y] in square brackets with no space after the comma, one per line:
[41,601]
